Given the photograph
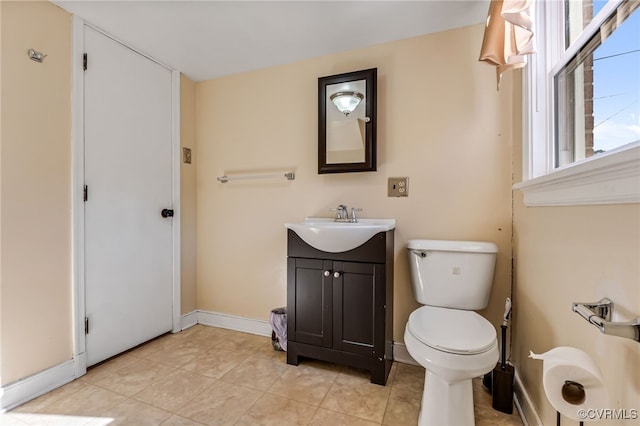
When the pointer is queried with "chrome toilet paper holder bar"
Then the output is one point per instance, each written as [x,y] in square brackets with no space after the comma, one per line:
[599,314]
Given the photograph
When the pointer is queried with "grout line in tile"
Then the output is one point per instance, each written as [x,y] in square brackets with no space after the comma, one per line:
[130,399]
[328,391]
[141,390]
[192,399]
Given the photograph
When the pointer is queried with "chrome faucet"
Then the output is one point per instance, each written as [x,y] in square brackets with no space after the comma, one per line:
[342,214]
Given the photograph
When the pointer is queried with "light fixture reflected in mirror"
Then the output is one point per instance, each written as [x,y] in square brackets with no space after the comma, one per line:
[346,102]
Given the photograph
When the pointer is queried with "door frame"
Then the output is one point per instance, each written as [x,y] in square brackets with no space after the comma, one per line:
[77,190]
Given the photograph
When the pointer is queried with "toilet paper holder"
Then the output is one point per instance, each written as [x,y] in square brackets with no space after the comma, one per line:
[599,314]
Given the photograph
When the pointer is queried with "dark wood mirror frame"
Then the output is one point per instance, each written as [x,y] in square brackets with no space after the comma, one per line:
[370,154]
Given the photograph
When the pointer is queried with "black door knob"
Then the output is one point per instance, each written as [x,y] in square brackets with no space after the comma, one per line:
[167,213]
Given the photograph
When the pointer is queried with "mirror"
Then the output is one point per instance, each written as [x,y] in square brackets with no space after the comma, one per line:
[347,122]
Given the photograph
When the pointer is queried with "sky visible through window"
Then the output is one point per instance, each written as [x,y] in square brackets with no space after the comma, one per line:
[616,75]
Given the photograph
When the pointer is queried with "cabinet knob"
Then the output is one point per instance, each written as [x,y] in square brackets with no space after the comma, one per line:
[327,273]
[336,275]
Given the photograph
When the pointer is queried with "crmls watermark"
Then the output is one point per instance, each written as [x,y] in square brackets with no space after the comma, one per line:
[608,414]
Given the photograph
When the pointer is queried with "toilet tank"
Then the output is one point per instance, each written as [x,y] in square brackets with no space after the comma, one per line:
[452,274]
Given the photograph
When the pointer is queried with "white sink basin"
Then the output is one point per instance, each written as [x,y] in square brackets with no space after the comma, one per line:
[327,235]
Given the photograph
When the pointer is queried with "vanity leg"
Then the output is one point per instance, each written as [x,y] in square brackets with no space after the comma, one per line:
[377,377]
[292,354]
[380,372]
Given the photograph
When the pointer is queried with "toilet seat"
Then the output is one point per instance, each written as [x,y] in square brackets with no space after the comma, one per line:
[452,330]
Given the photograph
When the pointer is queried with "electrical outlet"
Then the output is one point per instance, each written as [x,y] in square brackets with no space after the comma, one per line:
[398,187]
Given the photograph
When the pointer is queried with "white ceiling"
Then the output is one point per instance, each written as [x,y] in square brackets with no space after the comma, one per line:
[209,39]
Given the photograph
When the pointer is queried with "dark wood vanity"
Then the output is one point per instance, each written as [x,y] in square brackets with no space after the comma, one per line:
[340,305]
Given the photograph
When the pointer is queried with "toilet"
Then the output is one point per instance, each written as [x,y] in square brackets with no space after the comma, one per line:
[453,343]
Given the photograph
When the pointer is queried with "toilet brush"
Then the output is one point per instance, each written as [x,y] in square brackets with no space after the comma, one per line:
[503,373]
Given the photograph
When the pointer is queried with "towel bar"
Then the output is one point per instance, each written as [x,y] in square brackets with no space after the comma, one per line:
[288,176]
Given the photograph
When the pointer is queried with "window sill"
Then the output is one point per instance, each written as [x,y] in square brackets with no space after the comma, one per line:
[611,178]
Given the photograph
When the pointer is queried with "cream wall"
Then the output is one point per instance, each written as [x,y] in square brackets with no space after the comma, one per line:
[575,254]
[188,196]
[36,330]
[440,122]
[35,191]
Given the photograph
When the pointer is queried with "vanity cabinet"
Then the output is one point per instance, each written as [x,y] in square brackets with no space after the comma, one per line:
[340,305]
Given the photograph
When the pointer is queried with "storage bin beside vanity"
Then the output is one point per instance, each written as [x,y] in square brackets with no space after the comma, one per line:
[340,305]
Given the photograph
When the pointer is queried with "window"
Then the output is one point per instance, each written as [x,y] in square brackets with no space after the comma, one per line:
[582,104]
[597,92]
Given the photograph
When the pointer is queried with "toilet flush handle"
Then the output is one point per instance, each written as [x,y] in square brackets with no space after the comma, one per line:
[419,253]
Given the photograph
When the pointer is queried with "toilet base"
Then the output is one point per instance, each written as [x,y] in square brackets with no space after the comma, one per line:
[446,403]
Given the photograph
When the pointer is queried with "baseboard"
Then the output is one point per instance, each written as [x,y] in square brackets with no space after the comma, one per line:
[80,364]
[38,384]
[524,405]
[233,322]
[188,320]
[401,354]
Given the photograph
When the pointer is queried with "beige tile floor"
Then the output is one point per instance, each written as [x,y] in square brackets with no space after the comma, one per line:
[212,376]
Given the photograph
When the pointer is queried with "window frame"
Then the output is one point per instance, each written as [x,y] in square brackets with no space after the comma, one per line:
[612,177]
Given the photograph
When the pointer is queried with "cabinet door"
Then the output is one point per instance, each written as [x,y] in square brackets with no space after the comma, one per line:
[309,299]
[358,299]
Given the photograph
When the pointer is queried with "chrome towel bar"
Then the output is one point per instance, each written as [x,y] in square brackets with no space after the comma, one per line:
[288,176]
[599,314]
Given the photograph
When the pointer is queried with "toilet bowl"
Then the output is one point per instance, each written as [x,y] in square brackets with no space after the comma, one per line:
[453,346]
[452,342]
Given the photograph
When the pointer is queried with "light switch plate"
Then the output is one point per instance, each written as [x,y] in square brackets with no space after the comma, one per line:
[186,155]
[398,187]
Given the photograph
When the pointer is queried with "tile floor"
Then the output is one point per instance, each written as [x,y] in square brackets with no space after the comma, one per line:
[212,376]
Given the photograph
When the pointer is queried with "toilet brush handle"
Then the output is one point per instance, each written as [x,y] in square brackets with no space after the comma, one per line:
[503,349]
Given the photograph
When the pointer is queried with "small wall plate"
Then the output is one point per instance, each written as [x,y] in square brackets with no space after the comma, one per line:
[186,155]
[398,187]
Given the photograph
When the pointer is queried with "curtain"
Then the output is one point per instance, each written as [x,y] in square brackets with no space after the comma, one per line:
[508,36]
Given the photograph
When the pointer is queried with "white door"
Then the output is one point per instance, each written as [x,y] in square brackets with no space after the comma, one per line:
[128,244]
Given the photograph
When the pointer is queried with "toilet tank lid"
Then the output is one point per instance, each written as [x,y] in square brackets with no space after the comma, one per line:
[447,245]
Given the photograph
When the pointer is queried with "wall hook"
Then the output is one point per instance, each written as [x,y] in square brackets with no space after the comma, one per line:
[34,55]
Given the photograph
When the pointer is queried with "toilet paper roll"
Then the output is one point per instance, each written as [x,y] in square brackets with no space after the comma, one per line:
[575,371]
